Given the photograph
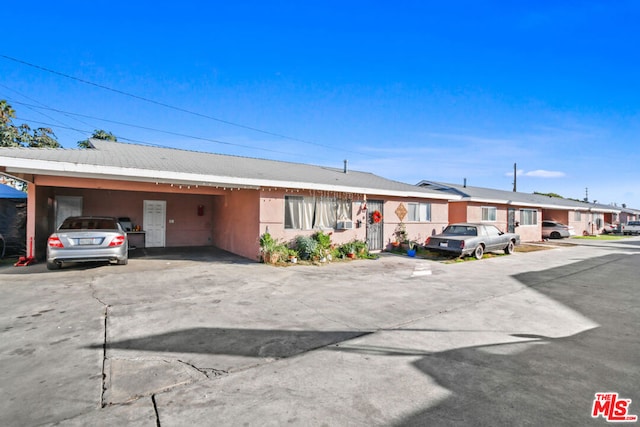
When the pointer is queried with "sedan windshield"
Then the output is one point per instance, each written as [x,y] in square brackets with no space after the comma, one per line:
[461,230]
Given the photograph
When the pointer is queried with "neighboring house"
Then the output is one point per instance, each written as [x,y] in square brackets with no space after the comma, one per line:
[186,198]
[13,220]
[627,214]
[521,213]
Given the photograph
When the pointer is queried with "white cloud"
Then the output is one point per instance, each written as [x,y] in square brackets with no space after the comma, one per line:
[541,173]
[538,173]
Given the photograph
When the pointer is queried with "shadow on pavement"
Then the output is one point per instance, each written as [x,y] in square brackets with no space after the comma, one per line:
[552,382]
[197,254]
[240,342]
[190,253]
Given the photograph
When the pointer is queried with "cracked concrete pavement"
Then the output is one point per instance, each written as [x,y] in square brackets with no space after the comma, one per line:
[175,339]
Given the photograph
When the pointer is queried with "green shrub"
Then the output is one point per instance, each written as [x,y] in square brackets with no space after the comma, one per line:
[306,246]
[360,248]
[324,240]
[266,242]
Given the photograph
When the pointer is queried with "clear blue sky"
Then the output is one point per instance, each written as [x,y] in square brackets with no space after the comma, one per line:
[407,90]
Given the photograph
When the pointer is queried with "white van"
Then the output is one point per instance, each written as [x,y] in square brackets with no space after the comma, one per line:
[632,227]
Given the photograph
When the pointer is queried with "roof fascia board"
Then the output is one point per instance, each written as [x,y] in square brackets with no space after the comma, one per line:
[527,204]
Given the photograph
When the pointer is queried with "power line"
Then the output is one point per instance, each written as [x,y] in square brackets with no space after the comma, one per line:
[31,107]
[154,144]
[147,128]
[162,104]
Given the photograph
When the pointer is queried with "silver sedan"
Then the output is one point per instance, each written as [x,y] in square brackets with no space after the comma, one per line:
[87,238]
[472,239]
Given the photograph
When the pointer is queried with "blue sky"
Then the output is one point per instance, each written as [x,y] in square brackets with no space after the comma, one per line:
[410,91]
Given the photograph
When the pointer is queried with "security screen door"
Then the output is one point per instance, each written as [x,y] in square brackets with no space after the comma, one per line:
[375,233]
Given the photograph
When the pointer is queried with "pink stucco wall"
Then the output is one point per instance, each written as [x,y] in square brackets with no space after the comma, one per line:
[458,212]
[235,223]
[272,216]
[184,227]
[416,231]
[528,233]
[580,226]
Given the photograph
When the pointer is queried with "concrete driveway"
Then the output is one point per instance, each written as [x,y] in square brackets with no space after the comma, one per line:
[212,339]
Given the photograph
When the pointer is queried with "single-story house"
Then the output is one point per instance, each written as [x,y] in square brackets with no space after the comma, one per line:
[628,214]
[186,198]
[522,213]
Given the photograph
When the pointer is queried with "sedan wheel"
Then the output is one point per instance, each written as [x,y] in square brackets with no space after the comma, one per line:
[53,265]
[555,235]
[510,248]
[479,252]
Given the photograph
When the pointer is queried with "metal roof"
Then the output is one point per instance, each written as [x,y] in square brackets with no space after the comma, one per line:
[489,195]
[116,160]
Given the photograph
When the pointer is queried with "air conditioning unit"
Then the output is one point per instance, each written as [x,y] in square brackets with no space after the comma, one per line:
[344,225]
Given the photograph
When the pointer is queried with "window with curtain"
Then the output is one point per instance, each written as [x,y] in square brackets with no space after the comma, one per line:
[489,213]
[577,216]
[307,213]
[528,217]
[419,212]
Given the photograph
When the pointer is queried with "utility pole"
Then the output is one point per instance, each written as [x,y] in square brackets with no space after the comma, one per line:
[515,173]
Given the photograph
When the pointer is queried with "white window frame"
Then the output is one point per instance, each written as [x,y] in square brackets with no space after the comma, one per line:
[577,216]
[423,210]
[523,216]
[488,210]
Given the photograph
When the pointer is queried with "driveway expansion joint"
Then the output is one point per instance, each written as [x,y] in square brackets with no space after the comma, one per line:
[155,409]
[104,357]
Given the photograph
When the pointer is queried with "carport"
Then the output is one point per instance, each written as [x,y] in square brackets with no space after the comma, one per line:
[160,215]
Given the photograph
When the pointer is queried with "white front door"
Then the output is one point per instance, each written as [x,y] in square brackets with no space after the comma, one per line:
[153,222]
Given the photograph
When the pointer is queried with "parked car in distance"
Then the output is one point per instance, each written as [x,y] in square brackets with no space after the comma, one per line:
[609,228]
[631,227]
[472,239]
[87,238]
[555,230]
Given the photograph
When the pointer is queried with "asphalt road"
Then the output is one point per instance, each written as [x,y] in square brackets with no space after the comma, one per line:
[206,338]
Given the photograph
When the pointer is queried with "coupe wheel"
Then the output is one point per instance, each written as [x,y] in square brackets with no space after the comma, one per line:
[510,248]
[555,235]
[478,252]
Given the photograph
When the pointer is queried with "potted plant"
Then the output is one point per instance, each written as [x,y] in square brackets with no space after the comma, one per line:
[412,249]
[400,234]
[360,248]
[271,249]
[293,256]
[266,246]
[348,250]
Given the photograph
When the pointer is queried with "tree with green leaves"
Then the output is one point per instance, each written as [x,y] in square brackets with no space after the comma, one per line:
[557,196]
[22,135]
[98,134]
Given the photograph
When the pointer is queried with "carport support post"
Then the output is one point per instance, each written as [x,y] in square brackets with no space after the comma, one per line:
[31,220]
